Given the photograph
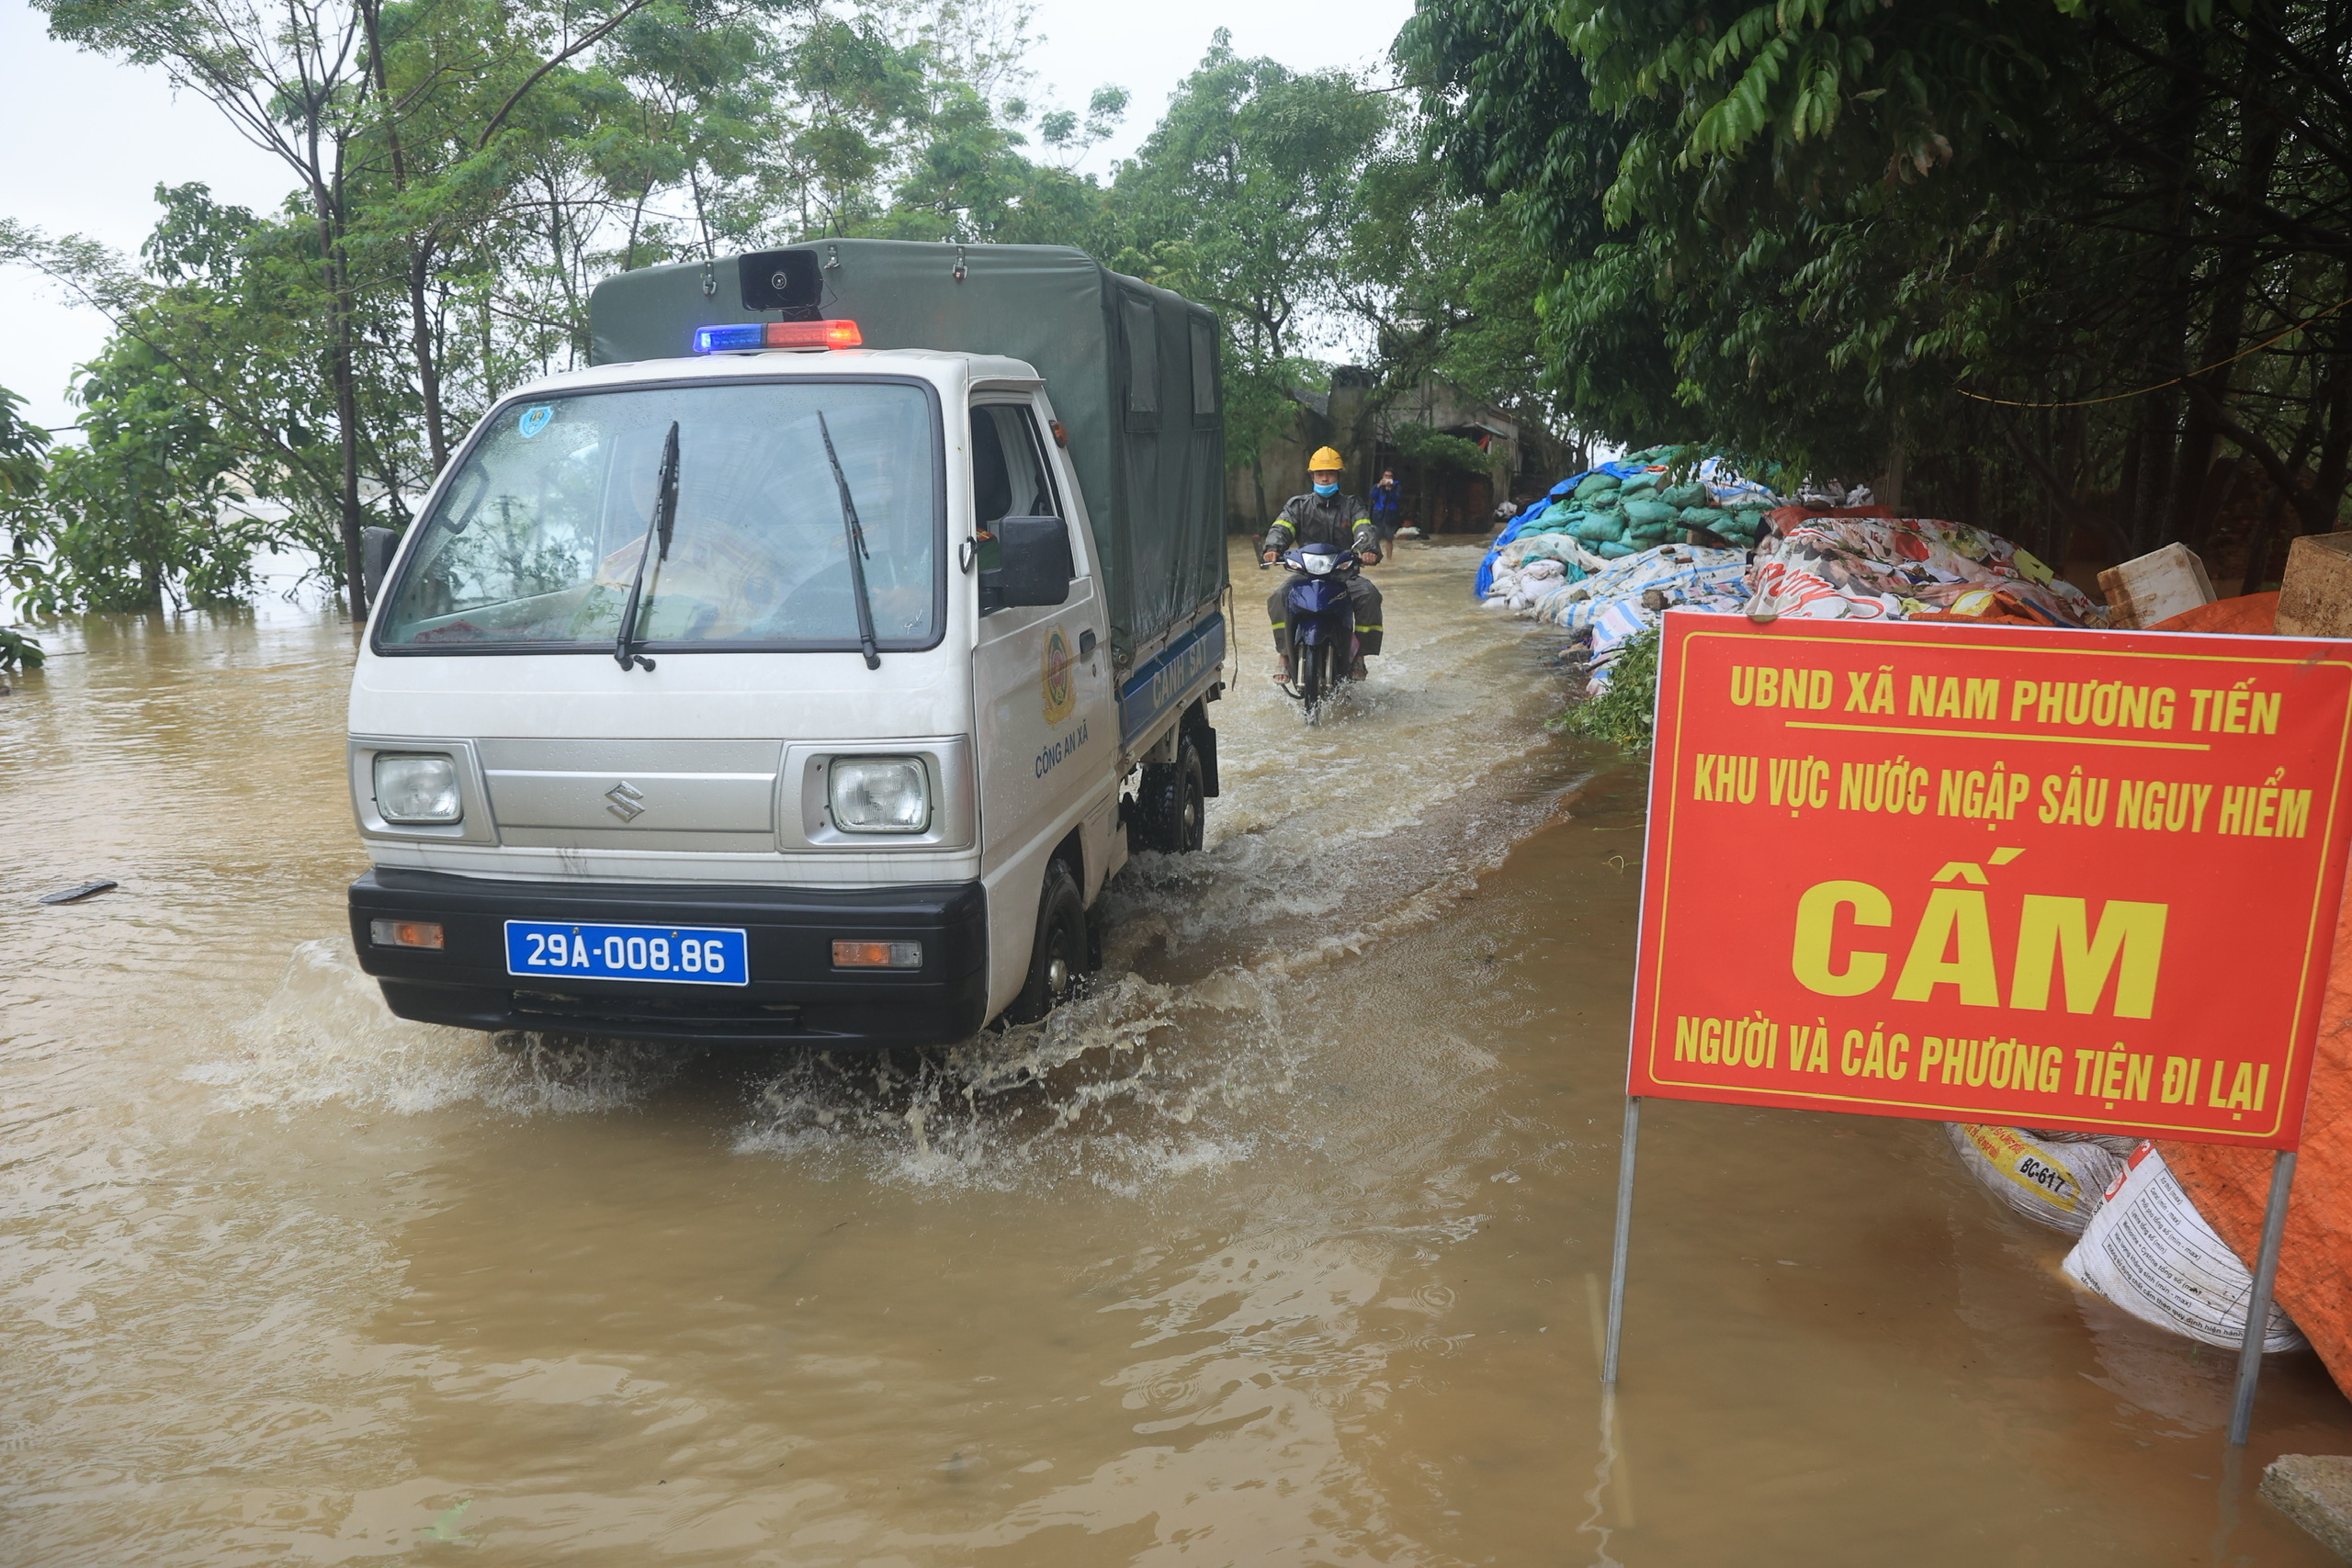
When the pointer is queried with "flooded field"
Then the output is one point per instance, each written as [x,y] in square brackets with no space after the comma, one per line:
[1284,1247]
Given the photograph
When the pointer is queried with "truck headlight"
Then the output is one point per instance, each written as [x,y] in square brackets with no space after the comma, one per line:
[879,795]
[417,789]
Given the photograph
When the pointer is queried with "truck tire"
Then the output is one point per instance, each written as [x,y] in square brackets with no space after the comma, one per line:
[1172,801]
[1059,954]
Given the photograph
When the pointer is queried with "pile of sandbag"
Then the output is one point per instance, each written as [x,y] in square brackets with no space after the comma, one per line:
[1630,595]
[1634,503]
[1866,563]
[1610,550]
[1527,569]
[2149,1252]
[2144,1245]
[1614,515]
[2053,1178]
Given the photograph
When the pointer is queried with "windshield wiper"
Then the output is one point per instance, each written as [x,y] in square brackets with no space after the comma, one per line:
[856,534]
[665,521]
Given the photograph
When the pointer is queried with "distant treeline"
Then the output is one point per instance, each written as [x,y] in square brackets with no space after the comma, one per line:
[461,174]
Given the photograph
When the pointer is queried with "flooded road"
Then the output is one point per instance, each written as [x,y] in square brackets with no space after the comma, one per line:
[1284,1246]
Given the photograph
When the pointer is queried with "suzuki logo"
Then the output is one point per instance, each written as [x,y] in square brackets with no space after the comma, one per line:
[625,798]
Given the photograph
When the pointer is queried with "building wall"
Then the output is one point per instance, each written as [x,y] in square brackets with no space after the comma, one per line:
[1449,497]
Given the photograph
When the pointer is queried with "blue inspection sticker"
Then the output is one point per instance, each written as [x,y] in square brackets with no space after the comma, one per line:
[534,419]
[686,955]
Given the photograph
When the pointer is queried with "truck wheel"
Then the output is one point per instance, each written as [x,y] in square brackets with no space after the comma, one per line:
[1058,955]
[1171,802]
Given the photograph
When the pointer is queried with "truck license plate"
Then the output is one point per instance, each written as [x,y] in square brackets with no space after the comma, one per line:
[691,955]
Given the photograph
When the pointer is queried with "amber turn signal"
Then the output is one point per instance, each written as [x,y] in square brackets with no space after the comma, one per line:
[405,933]
[877,955]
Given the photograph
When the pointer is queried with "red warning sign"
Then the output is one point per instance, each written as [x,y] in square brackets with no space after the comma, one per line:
[2082,880]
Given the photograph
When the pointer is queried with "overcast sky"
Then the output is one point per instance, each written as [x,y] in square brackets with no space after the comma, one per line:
[89,140]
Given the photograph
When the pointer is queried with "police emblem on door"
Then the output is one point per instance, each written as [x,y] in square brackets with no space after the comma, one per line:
[1055,681]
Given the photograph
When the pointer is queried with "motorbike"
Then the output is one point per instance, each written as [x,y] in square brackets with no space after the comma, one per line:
[1322,623]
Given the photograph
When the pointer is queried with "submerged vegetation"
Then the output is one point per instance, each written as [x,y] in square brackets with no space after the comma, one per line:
[1623,713]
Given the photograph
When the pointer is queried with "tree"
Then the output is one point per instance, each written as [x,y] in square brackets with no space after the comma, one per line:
[289,78]
[136,508]
[1244,198]
[24,469]
[1972,240]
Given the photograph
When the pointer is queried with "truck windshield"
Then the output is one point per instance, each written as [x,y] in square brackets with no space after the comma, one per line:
[536,538]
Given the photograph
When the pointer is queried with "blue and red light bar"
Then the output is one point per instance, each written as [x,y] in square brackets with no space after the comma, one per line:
[742,336]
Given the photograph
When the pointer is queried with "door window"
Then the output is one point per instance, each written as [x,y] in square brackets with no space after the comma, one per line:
[1010,476]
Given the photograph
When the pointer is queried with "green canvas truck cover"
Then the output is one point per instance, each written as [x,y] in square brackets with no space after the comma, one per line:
[1132,370]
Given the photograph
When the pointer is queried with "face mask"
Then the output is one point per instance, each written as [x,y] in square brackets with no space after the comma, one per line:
[1327,490]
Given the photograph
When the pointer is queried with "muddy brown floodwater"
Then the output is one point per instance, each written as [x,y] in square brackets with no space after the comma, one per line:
[1284,1247]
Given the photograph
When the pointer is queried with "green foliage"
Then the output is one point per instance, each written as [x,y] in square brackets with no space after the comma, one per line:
[1419,443]
[18,651]
[464,171]
[23,473]
[1245,197]
[1625,712]
[134,509]
[1807,231]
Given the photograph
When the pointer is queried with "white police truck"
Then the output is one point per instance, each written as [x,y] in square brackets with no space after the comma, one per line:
[798,672]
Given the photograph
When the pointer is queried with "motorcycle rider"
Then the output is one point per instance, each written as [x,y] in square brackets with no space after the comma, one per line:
[1325,517]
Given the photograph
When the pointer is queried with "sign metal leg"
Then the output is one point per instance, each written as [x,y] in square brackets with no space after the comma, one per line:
[1625,1236]
[2257,1309]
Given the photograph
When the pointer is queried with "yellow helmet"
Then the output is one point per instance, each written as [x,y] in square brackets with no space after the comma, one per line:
[1325,461]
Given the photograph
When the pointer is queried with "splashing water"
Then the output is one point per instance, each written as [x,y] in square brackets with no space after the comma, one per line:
[325,1038]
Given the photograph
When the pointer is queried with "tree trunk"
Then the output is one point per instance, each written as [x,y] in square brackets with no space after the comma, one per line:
[2159,432]
[1888,491]
[428,368]
[346,414]
[2257,544]
[2201,494]
[2324,507]
[420,257]
[342,377]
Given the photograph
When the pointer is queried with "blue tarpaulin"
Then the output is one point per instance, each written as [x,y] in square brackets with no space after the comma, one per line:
[1623,470]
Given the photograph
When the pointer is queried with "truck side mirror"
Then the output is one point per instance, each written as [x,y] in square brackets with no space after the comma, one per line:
[377,547]
[1034,564]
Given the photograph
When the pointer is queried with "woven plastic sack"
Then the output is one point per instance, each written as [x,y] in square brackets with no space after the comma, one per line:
[1595,528]
[1594,486]
[1684,495]
[2149,1252]
[1644,513]
[2052,1183]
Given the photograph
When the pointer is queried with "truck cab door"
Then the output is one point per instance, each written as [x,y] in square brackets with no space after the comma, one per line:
[1048,737]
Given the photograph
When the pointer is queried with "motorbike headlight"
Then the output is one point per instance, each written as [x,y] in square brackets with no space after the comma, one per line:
[417,789]
[1317,564]
[879,795]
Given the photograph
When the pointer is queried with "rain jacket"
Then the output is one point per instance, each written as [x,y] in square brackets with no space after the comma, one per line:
[1312,519]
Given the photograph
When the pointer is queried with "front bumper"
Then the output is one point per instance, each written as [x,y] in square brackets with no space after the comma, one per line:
[795,996]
